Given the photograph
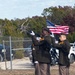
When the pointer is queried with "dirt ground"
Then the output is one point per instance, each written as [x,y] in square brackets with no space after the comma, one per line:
[54,71]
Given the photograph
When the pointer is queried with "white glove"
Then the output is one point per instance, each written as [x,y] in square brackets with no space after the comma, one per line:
[38,38]
[32,33]
[52,35]
[36,62]
[56,42]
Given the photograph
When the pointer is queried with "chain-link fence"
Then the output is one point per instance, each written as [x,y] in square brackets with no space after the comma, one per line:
[12,48]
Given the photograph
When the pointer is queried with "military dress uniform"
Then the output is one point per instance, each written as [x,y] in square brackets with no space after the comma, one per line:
[64,48]
[43,54]
[34,59]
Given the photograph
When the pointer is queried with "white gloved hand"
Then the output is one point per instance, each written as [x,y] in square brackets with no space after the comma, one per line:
[52,35]
[36,62]
[56,42]
[32,33]
[38,38]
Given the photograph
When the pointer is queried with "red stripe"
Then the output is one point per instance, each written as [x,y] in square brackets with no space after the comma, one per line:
[59,29]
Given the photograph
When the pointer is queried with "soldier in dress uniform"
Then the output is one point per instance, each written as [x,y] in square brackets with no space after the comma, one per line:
[64,48]
[43,52]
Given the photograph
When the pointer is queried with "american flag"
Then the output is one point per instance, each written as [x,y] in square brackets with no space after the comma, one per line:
[57,29]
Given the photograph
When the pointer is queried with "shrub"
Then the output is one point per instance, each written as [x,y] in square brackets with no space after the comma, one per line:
[19,54]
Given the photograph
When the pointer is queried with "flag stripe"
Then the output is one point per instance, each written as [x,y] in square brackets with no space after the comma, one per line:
[56,28]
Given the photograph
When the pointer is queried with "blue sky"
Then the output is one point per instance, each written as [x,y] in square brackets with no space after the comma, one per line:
[12,9]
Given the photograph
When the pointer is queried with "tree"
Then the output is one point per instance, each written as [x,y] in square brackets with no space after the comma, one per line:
[70,21]
[55,14]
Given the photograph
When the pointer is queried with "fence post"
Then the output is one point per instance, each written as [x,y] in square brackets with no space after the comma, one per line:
[4,54]
[10,53]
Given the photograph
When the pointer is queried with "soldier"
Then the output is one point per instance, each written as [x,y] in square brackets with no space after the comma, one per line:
[35,49]
[44,58]
[63,47]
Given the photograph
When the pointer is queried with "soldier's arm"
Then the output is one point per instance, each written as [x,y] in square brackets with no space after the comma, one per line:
[65,47]
[36,42]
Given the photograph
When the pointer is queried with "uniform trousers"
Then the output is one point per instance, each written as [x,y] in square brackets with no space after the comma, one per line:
[63,70]
[37,69]
[42,69]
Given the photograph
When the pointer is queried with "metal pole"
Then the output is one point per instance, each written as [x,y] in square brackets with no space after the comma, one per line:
[10,53]
[4,54]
